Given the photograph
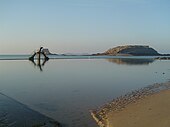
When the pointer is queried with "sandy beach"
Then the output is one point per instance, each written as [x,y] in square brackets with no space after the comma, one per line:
[153,111]
[147,107]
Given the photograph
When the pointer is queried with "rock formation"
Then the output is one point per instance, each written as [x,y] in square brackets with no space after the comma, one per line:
[134,50]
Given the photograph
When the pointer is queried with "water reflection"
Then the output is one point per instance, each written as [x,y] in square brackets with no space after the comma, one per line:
[131,61]
[70,88]
[39,53]
[39,63]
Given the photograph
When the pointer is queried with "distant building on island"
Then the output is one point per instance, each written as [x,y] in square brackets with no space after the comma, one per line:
[46,51]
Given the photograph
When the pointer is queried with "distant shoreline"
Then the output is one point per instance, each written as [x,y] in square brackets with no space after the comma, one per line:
[26,57]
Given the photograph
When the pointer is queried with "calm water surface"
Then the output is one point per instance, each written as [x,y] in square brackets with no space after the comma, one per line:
[66,89]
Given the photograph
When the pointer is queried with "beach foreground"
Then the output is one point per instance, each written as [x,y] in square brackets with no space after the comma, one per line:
[153,111]
[144,108]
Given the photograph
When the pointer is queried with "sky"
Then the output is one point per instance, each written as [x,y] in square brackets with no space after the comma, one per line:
[83,26]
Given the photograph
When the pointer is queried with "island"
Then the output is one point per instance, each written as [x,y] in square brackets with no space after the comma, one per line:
[131,50]
[125,50]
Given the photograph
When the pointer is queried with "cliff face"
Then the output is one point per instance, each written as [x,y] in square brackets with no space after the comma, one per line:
[135,50]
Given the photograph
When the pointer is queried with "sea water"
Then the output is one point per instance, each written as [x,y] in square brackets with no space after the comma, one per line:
[65,88]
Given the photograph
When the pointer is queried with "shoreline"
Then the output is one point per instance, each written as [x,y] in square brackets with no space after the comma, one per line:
[153,111]
[26,57]
[121,103]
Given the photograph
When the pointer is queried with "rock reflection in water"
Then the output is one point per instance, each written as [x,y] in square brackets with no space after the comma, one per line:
[126,61]
[39,53]
[39,63]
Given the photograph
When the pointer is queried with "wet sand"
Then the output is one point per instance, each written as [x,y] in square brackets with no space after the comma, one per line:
[146,107]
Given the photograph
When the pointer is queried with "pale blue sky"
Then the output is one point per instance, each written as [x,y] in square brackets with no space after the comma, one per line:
[83,25]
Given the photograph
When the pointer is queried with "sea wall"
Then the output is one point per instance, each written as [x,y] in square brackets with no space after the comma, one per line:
[16,114]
